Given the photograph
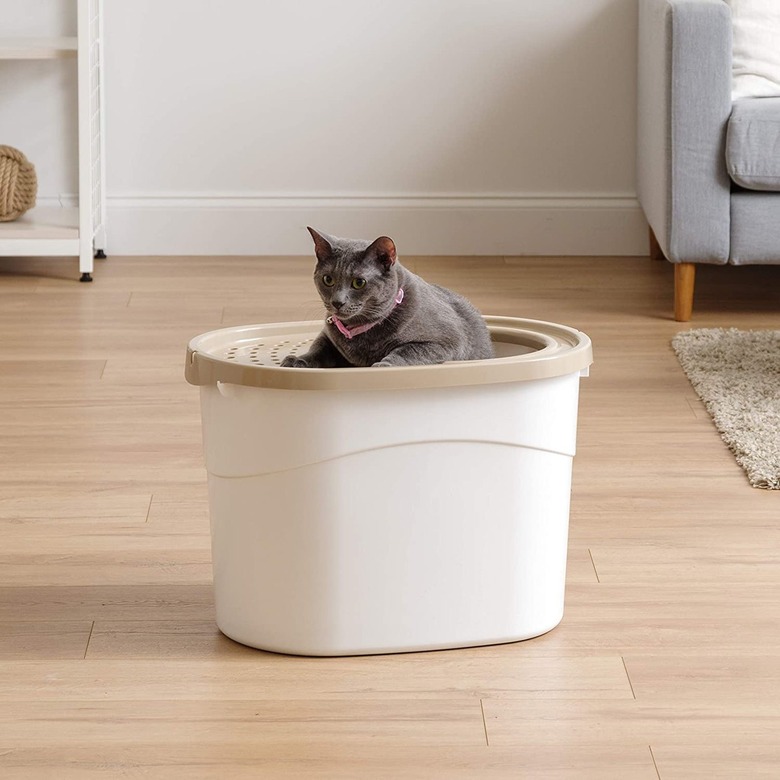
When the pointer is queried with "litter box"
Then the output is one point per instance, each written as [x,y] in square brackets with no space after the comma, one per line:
[384,510]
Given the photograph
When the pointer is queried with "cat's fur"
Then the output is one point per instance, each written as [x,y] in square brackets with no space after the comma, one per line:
[430,325]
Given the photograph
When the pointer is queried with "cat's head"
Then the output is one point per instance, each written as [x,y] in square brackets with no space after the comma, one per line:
[356,279]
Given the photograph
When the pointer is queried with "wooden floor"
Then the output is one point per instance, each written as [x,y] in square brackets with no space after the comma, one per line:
[666,665]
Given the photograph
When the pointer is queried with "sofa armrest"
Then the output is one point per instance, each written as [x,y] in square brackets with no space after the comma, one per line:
[684,102]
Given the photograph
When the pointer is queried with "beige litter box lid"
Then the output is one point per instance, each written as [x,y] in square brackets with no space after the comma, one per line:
[251,355]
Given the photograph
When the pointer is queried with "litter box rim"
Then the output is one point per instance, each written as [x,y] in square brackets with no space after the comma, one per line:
[558,350]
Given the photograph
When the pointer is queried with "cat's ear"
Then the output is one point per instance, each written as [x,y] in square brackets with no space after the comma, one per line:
[322,247]
[383,249]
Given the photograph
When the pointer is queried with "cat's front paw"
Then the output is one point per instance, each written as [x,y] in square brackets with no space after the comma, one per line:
[292,361]
[382,364]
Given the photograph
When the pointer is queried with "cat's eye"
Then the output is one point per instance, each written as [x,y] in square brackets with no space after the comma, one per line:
[327,280]
[358,284]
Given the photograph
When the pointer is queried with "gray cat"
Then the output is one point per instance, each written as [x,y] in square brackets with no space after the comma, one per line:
[381,314]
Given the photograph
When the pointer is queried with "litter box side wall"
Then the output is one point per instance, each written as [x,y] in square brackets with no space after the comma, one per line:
[348,523]
[440,545]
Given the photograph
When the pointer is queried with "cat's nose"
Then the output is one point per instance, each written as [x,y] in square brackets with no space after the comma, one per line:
[337,304]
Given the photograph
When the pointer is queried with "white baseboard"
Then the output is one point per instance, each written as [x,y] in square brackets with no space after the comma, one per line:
[432,224]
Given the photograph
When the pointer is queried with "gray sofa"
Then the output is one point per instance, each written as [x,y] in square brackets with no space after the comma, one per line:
[708,170]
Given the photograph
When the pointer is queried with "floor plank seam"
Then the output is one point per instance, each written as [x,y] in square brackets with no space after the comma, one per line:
[628,677]
[484,721]
[89,638]
[593,563]
[652,756]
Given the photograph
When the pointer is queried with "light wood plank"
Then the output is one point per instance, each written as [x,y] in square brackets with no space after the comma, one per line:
[472,672]
[725,760]
[753,676]
[248,761]
[62,639]
[262,722]
[167,601]
[132,567]
[664,619]
[168,639]
[60,508]
[675,721]
[708,561]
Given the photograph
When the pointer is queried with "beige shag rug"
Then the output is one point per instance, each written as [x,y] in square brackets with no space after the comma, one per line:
[736,373]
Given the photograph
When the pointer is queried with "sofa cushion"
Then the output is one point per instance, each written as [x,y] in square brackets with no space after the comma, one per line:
[755,227]
[753,144]
[755,50]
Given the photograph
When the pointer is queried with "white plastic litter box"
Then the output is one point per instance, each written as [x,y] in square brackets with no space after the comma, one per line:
[378,510]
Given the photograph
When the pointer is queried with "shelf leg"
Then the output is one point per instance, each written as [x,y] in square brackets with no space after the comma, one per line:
[86,262]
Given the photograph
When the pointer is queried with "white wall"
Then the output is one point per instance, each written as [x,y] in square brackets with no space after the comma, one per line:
[456,126]
[36,110]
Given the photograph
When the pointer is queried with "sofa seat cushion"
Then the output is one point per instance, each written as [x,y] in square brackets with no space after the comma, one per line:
[753,144]
[755,227]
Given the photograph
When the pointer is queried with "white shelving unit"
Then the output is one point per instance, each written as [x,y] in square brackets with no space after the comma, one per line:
[80,231]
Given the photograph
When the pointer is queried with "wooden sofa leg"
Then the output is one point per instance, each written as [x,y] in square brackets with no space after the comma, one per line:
[656,253]
[684,277]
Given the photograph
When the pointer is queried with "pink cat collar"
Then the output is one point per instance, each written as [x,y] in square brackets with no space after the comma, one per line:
[358,329]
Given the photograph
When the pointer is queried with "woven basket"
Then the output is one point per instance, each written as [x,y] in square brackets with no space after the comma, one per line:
[18,184]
